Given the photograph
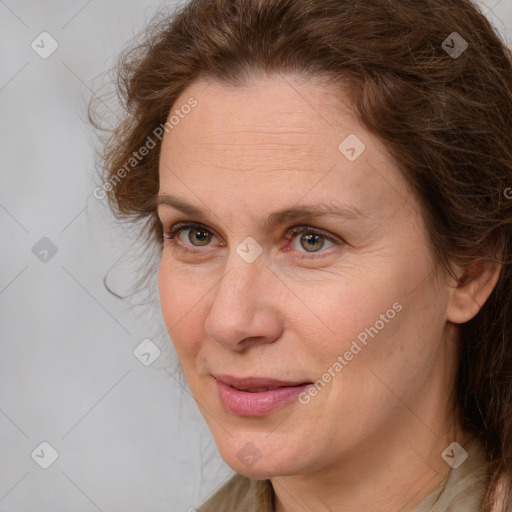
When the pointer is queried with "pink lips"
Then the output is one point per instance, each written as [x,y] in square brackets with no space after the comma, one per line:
[256,396]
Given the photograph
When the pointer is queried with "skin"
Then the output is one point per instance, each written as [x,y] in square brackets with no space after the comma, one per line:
[372,438]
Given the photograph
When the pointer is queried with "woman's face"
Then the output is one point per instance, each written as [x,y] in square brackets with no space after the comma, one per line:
[307,262]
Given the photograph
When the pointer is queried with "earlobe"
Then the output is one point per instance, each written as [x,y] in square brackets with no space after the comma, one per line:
[474,286]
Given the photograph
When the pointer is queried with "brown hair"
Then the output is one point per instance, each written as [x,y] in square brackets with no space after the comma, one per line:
[445,119]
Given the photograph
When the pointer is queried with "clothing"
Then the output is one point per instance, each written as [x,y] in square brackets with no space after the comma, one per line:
[462,490]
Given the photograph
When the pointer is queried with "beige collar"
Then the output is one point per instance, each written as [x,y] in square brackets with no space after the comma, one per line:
[463,489]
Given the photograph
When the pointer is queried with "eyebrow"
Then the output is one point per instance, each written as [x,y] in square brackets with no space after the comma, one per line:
[346,212]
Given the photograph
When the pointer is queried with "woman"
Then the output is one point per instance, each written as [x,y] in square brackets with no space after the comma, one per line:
[326,182]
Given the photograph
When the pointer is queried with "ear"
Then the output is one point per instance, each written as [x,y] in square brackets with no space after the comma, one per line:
[473,287]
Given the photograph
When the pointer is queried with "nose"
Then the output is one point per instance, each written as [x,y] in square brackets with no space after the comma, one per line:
[245,306]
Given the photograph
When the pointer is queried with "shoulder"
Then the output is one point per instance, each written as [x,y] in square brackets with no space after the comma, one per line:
[240,494]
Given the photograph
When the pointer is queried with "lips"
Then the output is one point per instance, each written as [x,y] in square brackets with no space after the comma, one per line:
[256,396]
[257,384]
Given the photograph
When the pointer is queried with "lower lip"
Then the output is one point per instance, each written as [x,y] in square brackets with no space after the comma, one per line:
[243,403]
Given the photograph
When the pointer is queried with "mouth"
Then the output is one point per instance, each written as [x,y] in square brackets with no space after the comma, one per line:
[257,384]
[257,390]
[256,396]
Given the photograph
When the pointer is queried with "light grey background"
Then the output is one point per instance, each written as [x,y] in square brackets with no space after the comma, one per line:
[128,437]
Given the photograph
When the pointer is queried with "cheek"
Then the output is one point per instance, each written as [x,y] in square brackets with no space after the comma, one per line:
[371,321]
[388,341]
[358,328]
[181,310]
[342,308]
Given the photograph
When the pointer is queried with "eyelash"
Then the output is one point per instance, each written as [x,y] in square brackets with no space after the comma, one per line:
[298,230]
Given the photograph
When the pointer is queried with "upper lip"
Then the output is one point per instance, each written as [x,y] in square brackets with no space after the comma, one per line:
[256,382]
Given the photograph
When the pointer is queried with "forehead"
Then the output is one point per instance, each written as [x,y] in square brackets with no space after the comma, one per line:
[276,137]
[268,108]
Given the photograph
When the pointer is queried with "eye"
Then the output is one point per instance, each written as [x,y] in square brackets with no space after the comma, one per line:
[198,235]
[190,237]
[311,240]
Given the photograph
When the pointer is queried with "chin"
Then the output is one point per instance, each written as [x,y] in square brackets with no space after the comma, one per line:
[259,457]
